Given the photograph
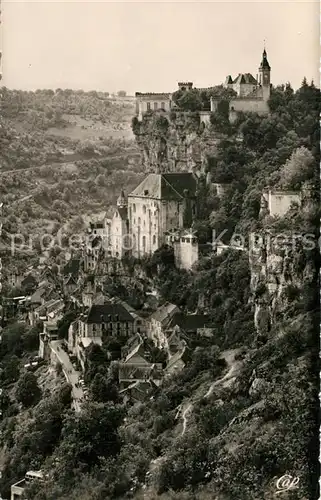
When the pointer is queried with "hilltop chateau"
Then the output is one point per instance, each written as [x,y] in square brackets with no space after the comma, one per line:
[252,94]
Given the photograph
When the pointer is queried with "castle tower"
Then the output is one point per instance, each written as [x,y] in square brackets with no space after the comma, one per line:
[265,76]
[121,200]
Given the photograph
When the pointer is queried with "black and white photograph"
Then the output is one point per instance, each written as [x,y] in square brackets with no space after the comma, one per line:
[159,250]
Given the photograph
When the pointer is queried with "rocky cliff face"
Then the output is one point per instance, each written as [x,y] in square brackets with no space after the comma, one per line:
[278,273]
[174,142]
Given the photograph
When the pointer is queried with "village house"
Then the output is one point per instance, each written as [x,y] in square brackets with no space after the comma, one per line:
[138,391]
[45,291]
[72,273]
[51,310]
[49,333]
[178,361]
[139,325]
[190,324]
[136,367]
[143,371]
[105,320]
[17,489]
[278,202]
[91,254]
[159,321]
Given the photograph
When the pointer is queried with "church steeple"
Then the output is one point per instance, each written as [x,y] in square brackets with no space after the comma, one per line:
[121,200]
[264,63]
[265,76]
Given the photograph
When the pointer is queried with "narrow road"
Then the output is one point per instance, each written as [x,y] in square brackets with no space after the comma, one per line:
[184,417]
[59,163]
[72,376]
[233,366]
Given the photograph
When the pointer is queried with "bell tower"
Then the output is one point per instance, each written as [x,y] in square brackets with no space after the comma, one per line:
[265,76]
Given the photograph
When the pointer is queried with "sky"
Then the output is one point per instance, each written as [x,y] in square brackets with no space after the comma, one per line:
[150,46]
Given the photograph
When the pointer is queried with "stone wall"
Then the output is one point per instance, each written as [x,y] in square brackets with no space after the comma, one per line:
[259,106]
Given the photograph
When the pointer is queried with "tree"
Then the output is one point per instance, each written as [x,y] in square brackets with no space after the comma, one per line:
[121,93]
[28,391]
[103,390]
[190,100]
[31,338]
[10,369]
[297,169]
[11,342]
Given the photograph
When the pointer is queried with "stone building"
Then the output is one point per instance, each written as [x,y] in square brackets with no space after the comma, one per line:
[160,203]
[107,319]
[277,202]
[159,323]
[252,93]
[119,229]
[151,101]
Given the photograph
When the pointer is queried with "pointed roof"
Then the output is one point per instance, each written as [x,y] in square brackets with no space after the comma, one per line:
[107,312]
[171,186]
[264,63]
[122,212]
[245,78]
[121,200]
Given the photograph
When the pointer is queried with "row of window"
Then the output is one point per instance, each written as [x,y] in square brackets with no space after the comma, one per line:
[144,223]
[189,240]
[144,240]
[109,326]
[144,208]
[155,106]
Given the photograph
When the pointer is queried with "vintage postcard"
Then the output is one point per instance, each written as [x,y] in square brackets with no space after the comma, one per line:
[159,250]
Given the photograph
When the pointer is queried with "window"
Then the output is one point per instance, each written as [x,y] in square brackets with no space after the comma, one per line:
[144,209]
[139,221]
[187,240]
[144,241]
[154,239]
[134,221]
[155,105]
[134,208]
[148,106]
[163,105]
[154,227]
